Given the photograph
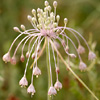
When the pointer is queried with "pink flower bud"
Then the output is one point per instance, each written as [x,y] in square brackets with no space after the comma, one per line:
[81,49]
[27,54]
[63,43]
[23,82]
[31,89]
[67,49]
[13,61]
[91,55]
[33,56]
[58,85]
[56,44]
[57,70]
[52,91]
[6,57]
[82,66]
[22,58]
[36,71]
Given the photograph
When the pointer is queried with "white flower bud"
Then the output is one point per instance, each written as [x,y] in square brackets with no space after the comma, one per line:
[23,82]
[31,89]
[46,3]
[81,49]
[33,56]
[36,71]
[55,24]
[82,66]
[23,27]
[33,19]
[38,10]
[58,85]
[65,20]
[33,11]
[6,57]
[49,8]
[52,91]
[55,4]
[58,18]
[16,29]
[29,18]
[91,55]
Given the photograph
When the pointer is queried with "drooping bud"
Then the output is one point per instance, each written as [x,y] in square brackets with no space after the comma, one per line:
[55,4]
[22,58]
[23,82]
[16,29]
[27,54]
[57,70]
[23,27]
[63,43]
[58,85]
[33,56]
[82,66]
[6,57]
[91,55]
[81,49]
[31,89]
[36,71]
[72,55]
[13,60]
[52,91]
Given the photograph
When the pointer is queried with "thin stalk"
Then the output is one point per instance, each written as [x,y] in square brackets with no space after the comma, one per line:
[48,68]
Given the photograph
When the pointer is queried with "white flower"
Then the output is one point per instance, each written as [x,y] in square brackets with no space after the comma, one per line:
[52,91]
[82,66]
[23,82]
[31,89]
[36,71]
[91,55]
[58,85]
[6,57]
[81,49]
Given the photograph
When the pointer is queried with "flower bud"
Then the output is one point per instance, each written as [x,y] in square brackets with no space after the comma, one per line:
[38,10]
[58,18]
[27,54]
[91,55]
[6,57]
[46,3]
[22,58]
[57,44]
[55,4]
[63,43]
[82,66]
[36,71]
[65,20]
[52,91]
[33,56]
[23,82]
[67,49]
[23,27]
[33,11]
[13,60]
[57,70]
[16,29]
[31,89]
[58,85]
[81,49]
[29,18]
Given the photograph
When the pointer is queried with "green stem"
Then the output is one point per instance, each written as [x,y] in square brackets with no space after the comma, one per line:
[48,68]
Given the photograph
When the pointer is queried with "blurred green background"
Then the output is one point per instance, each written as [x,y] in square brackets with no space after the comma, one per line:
[84,16]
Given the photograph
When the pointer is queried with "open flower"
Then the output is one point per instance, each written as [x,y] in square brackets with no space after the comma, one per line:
[46,31]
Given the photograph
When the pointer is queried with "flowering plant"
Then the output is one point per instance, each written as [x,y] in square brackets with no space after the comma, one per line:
[46,30]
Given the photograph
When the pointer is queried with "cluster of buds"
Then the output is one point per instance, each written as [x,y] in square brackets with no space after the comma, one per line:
[45,27]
